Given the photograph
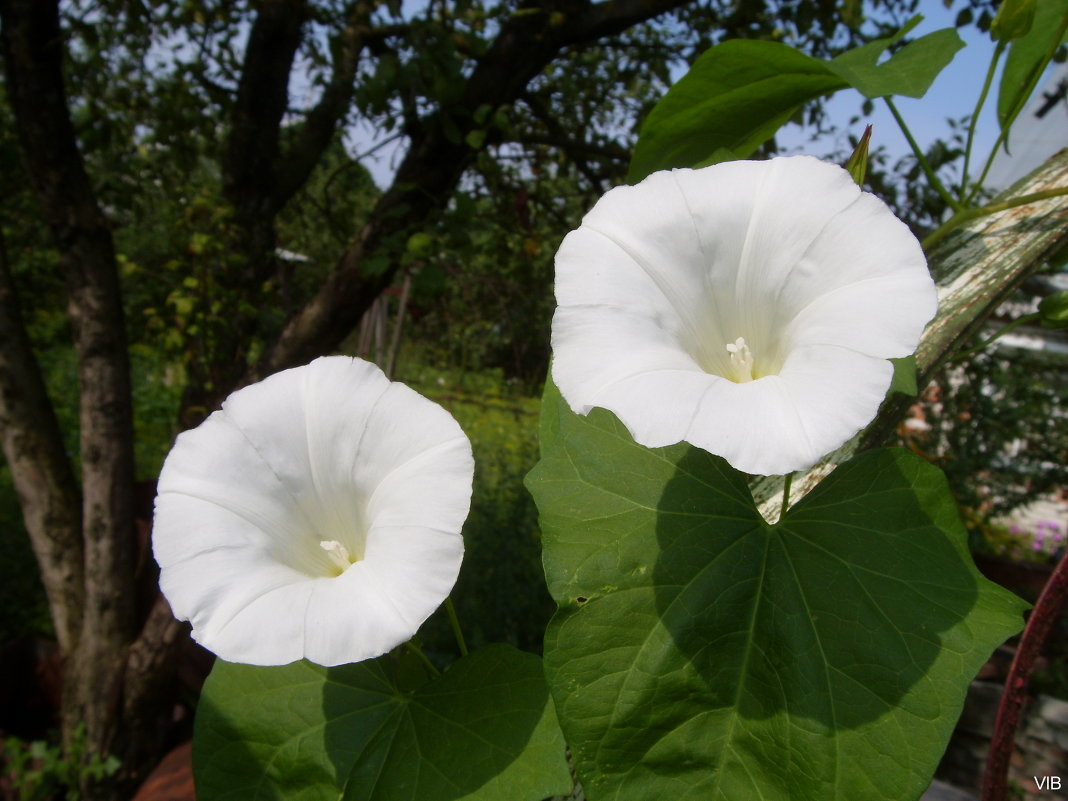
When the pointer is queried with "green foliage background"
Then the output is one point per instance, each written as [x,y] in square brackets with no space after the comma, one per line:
[500,595]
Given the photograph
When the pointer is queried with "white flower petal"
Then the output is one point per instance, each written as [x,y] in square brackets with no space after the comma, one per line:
[836,392]
[592,338]
[878,316]
[204,512]
[220,590]
[812,283]
[259,507]
[381,601]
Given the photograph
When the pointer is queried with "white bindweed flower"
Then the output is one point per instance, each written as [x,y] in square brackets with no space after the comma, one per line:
[317,516]
[748,308]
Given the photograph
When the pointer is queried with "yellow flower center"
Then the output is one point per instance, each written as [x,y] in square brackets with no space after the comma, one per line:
[338,553]
[741,361]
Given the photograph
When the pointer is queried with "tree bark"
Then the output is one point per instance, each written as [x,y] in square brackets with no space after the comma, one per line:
[42,473]
[251,160]
[94,659]
[261,177]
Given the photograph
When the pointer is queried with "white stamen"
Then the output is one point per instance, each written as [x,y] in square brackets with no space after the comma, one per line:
[338,553]
[741,360]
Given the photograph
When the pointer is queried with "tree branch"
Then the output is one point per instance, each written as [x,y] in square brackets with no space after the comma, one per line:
[578,151]
[600,20]
[250,164]
[319,126]
[525,45]
[42,473]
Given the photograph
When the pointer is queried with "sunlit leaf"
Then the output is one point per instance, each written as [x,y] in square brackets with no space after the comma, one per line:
[735,96]
[739,93]
[910,71]
[699,652]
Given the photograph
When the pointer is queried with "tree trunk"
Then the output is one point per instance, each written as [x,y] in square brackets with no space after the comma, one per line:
[85,543]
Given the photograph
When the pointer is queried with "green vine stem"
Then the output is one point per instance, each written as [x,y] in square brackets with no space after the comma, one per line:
[416,651]
[454,622]
[924,164]
[1043,616]
[994,59]
[966,215]
[1027,318]
[787,481]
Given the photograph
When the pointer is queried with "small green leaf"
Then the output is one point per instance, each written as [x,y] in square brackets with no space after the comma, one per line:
[183,304]
[1027,56]
[451,130]
[199,243]
[735,96]
[904,380]
[485,730]
[475,138]
[420,244]
[1053,310]
[910,71]
[377,264]
[700,653]
[1013,20]
[852,12]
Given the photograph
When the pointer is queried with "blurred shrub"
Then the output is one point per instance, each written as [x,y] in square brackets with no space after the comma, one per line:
[501,594]
[43,772]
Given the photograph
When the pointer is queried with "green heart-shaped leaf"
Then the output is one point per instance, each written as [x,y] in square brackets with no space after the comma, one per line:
[739,93]
[483,731]
[699,652]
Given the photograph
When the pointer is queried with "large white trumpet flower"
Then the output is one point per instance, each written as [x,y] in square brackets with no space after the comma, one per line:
[317,516]
[748,308]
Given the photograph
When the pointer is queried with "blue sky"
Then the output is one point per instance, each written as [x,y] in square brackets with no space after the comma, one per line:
[953,95]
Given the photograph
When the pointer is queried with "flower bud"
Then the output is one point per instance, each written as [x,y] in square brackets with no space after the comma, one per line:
[857,165]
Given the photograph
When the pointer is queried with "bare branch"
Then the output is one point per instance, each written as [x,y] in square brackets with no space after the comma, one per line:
[249,170]
[318,129]
[579,152]
[600,20]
